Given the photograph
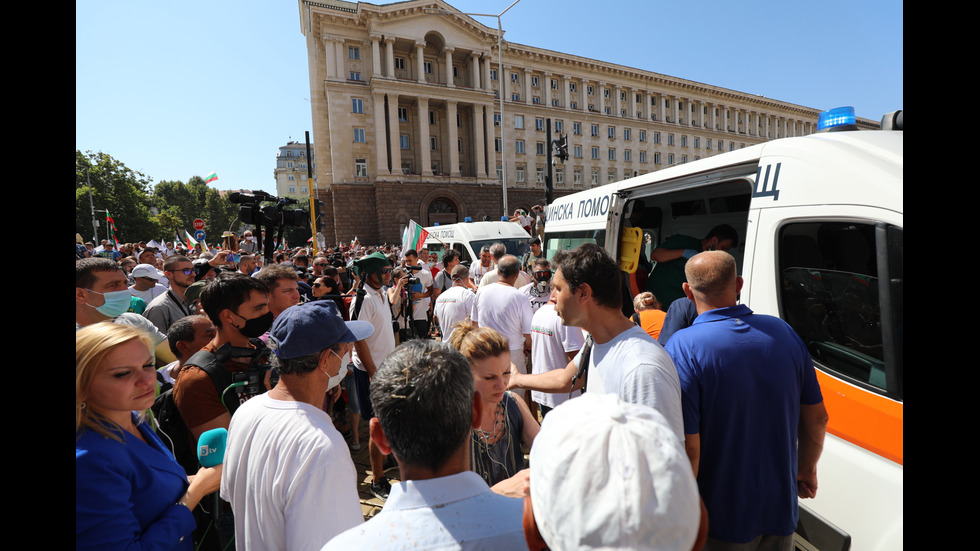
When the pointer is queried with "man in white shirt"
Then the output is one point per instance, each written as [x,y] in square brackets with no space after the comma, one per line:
[145,283]
[454,305]
[502,307]
[287,472]
[426,408]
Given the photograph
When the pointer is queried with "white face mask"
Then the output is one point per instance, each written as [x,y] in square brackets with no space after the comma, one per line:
[335,380]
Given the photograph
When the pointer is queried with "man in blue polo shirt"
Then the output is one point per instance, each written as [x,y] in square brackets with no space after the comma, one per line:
[754,419]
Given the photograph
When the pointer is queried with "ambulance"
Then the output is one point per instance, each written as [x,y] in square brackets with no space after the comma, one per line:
[469,237]
[820,220]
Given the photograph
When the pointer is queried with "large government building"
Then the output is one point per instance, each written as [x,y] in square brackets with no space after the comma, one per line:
[407,118]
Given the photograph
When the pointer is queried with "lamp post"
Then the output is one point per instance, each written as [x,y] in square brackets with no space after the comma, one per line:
[500,94]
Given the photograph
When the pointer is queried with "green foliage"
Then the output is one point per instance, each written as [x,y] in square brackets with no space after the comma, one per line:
[116,188]
[129,196]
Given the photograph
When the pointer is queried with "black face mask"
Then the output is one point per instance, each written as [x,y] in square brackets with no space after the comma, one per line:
[256,327]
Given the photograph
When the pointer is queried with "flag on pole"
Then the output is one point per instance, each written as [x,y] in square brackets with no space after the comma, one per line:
[211,177]
[414,237]
[111,224]
[191,242]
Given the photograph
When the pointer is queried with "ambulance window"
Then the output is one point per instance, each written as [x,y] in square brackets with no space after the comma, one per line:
[569,240]
[841,290]
[464,255]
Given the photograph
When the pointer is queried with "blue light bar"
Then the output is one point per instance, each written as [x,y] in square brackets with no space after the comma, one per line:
[504,218]
[839,116]
[468,219]
[435,223]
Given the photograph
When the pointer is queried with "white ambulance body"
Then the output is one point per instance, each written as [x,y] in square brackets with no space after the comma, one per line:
[820,220]
[469,237]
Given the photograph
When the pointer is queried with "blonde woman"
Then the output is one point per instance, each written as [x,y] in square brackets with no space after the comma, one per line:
[129,490]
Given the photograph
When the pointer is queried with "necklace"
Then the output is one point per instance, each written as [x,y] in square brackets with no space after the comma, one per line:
[496,431]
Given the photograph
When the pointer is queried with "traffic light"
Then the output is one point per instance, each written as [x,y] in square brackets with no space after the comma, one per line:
[318,212]
[561,148]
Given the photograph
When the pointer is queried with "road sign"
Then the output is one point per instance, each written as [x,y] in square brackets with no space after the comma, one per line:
[198,224]
[199,234]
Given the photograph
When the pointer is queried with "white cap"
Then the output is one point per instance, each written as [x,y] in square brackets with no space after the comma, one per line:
[606,474]
[147,270]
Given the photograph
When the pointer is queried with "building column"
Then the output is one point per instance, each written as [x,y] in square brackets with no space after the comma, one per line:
[487,84]
[674,109]
[503,77]
[390,56]
[380,137]
[330,55]
[601,95]
[424,149]
[527,88]
[375,56]
[547,89]
[563,84]
[474,73]
[394,134]
[420,60]
[618,100]
[661,116]
[453,134]
[479,146]
[449,67]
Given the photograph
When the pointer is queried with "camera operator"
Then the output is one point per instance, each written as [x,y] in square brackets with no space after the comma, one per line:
[400,304]
[421,291]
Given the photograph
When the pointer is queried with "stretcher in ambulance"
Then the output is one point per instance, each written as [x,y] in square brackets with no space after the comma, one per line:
[820,220]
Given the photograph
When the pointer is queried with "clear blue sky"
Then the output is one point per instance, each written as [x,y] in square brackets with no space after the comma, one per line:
[180,88]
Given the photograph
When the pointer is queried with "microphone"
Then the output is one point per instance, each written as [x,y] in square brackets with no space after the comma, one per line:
[211,447]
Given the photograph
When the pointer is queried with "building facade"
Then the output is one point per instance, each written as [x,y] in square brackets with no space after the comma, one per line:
[407,121]
[291,175]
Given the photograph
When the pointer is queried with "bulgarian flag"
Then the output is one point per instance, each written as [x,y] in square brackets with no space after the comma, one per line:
[414,237]
[112,227]
[211,177]
[191,242]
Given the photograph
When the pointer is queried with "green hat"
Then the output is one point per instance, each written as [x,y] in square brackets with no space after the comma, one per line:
[193,291]
[370,264]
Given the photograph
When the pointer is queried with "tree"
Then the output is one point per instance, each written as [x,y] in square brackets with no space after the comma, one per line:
[116,188]
[185,203]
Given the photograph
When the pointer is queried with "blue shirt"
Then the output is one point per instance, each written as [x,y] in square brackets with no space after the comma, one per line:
[743,377]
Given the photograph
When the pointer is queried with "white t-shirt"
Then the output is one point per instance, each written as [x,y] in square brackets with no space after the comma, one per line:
[452,307]
[493,277]
[422,306]
[507,310]
[537,301]
[477,270]
[637,369]
[551,340]
[149,294]
[375,309]
[288,476]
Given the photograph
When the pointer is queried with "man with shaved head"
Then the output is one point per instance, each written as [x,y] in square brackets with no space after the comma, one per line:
[748,375]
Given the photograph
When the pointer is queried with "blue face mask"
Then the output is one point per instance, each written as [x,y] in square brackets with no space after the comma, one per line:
[116,302]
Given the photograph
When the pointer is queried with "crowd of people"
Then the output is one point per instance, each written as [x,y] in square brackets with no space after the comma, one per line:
[521,405]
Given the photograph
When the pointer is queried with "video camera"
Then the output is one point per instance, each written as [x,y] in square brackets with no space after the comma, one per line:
[276,215]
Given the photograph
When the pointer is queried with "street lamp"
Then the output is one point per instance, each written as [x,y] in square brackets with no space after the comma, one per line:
[500,76]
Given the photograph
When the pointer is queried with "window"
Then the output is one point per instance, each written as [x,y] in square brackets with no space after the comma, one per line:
[360,168]
[683,141]
[577,128]
[612,132]
[639,98]
[496,119]
[355,76]
[612,154]
[670,158]
[403,114]
[493,74]
[535,99]
[500,173]
[656,158]
[590,90]
[608,110]
[515,97]
[400,63]
[459,145]
[403,141]
[573,104]
[627,134]
[559,126]
[577,177]
[643,135]
[643,156]
[291,177]
[842,293]
[595,176]
[539,148]
[357,105]
[670,139]
[577,151]
[622,96]
[519,122]
[572,88]
[459,120]
[432,117]
[707,144]
[520,173]
[519,146]
[559,176]
[455,71]
[595,152]
[539,124]
[359,135]
[292,189]
[534,81]
[539,175]
[433,144]
[656,137]
[721,145]
[627,173]
[697,142]
[554,84]
[611,176]
[497,144]
[627,155]
[595,130]
[605,92]
[515,78]
[555,103]
[427,67]
[353,52]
